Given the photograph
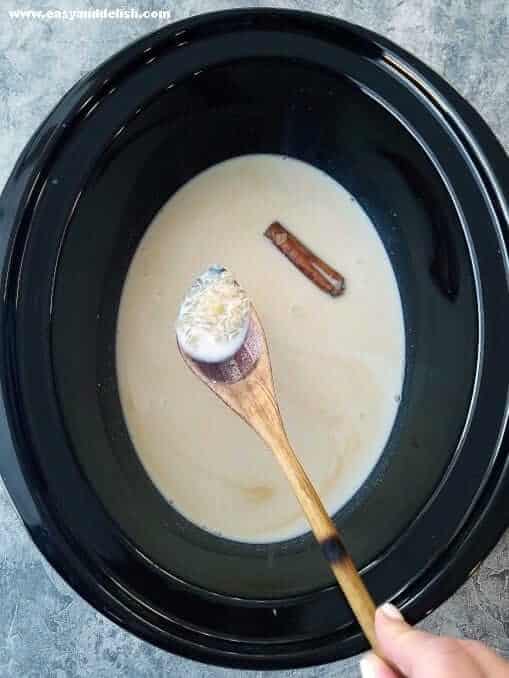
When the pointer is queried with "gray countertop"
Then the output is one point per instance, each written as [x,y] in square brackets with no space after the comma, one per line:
[45,628]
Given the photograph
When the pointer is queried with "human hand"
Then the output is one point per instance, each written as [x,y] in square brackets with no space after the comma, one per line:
[417,654]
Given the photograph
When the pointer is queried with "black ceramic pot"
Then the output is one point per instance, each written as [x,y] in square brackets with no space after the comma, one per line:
[432,178]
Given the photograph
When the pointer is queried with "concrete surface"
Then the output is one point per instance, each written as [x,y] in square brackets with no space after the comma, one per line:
[46,630]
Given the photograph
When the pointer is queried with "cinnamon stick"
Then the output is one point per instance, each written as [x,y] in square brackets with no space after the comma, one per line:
[314,268]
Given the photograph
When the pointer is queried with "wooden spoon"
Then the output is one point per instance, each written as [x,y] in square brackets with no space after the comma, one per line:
[246,385]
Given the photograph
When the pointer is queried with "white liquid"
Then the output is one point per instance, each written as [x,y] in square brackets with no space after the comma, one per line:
[338,362]
[208,350]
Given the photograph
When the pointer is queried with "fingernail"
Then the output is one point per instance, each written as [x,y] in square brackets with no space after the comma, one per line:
[391,611]
[368,666]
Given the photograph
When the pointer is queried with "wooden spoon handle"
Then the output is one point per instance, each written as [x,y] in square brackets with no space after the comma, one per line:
[328,537]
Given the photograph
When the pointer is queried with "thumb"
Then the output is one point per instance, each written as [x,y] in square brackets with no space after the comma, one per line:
[401,645]
[417,654]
